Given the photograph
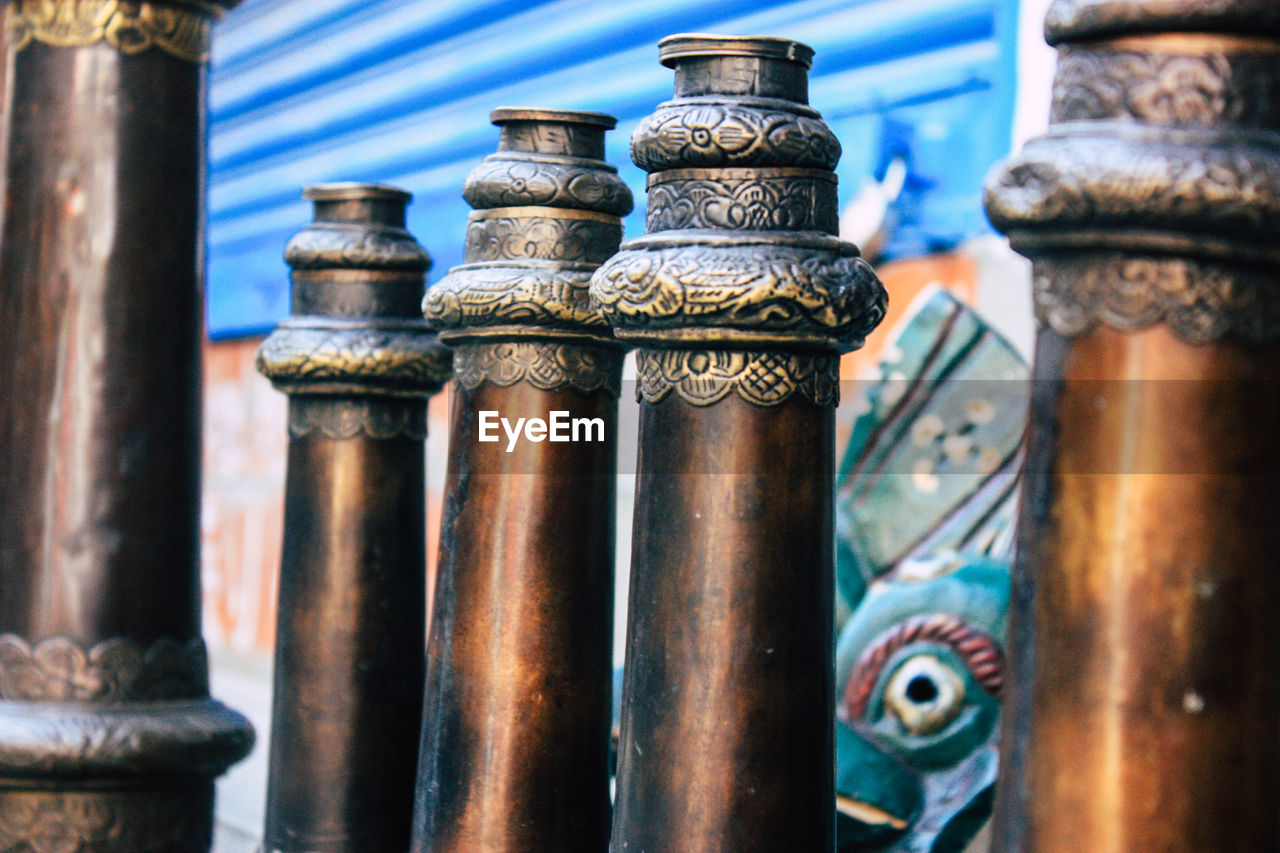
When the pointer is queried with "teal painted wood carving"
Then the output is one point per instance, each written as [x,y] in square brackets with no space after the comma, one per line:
[925,503]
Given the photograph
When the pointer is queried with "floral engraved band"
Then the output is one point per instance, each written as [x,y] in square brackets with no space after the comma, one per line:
[733,135]
[354,351]
[541,180]
[539,233]
[760,199]
[179,29]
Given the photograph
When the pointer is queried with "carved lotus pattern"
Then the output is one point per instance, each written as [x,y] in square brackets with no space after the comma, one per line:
[764,378]
[542,238]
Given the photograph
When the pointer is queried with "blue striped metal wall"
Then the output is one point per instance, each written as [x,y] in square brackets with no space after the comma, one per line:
[399,91]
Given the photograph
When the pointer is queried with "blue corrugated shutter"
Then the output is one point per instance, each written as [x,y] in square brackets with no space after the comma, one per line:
[399,91]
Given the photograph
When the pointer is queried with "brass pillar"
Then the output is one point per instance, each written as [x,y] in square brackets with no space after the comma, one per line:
[741,298]
[109,741]
[515,747]
[358,364]
[1145,637]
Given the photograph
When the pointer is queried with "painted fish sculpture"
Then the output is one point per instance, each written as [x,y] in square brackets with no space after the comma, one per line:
[925,501]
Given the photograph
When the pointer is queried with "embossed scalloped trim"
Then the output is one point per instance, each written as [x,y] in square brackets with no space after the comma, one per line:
[372,361]
[1201,302]
[679,135]
[115,670]
[499,295]
[166,817]
[546,365]
[824,298]
[705,377]
[131,28]
[343,418]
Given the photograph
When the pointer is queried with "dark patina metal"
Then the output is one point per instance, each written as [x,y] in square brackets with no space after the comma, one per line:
[740,297]
[358,364]
[108,738]
[1145,631]
[515,746]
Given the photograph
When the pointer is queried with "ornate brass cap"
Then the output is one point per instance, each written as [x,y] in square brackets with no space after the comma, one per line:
[674,48]
[1153,196]
[740,248]
[358,277]
[547,213]
[357,226]
[1080,20]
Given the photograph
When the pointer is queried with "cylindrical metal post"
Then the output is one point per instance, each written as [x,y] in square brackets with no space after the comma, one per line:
[358,364]
[1145,630]
[741,298]
[515,747]
[108,738]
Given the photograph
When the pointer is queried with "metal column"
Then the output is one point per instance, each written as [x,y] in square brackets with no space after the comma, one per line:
[515,749]
[1145,638]
[108,738]
[358,364]
[740,297]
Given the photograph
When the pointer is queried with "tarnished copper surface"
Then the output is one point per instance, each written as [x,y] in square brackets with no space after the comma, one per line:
[1145,640]
[108,737]
[515,744]
[358,364]
[740,298]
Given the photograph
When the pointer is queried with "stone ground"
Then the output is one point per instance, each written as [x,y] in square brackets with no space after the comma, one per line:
[243,682]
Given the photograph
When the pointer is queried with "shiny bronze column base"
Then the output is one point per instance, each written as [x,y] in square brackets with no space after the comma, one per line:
[516,721]
[358,364]
[1145,618]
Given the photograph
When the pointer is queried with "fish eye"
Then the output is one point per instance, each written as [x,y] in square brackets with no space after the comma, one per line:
[924,695]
